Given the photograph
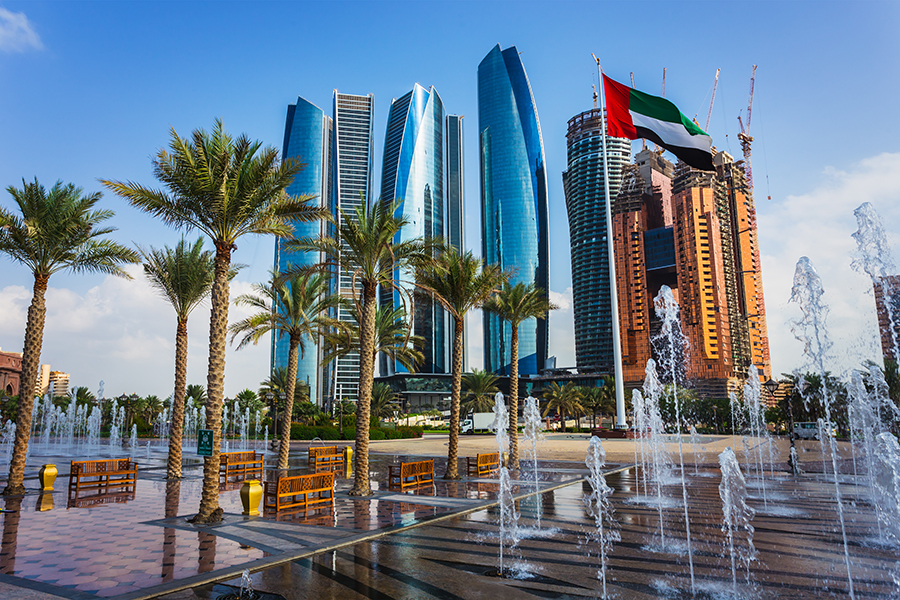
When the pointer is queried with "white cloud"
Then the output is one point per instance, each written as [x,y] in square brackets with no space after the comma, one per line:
[819,225]
[562,329]
[121,332]
[17,33]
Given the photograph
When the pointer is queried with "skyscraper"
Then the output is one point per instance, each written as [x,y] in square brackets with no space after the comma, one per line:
[307,139]
[513,200]
[456,216]
[352,171]
[413,174]
[691,230]
[585,190]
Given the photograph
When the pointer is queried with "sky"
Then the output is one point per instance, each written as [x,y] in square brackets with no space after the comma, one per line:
[93,90]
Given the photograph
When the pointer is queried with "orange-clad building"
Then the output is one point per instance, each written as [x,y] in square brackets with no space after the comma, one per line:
[696,233]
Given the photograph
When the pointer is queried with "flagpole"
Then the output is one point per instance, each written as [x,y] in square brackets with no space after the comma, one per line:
[613,293]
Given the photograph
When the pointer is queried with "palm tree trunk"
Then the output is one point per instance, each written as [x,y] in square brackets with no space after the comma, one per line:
[176,433]
[285,445]
[455,388]
[209,511]
[514,399]
[31,358]
[364,399]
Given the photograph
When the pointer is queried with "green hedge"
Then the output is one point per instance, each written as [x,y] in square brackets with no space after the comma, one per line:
[307,432]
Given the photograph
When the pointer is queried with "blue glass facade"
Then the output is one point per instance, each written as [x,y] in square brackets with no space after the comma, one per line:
[307,138]
[585,189]
[513,200]
[413,173]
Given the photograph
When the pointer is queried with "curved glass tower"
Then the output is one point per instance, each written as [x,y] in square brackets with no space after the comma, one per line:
[308,139]
[513,200]
[413,173]
[585,190]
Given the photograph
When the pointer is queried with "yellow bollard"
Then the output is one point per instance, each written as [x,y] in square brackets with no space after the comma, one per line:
[46,476]
[506,459]
[251,494]
[348,461]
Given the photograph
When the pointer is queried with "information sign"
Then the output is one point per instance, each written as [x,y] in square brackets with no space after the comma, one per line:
[205,442]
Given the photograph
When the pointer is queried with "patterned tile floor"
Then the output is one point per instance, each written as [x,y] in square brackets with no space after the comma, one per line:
[136,541]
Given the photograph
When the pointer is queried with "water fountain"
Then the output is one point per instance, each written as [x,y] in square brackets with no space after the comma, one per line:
[606,532]
[736,515]
[757,421]
[659,464]
[810,329]
[533,434]
[888,486]
[133,442]
[673,343]
[509,518]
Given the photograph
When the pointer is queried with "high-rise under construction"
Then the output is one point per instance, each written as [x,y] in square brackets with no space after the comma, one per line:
[695,232]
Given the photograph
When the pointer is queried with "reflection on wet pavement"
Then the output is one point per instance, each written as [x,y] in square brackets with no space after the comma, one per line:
[135,541]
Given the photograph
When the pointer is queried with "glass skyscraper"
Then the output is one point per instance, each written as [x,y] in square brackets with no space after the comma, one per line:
[352,171]
[307,139]
[585,190]
[513,200]
[413,174]
[423,170]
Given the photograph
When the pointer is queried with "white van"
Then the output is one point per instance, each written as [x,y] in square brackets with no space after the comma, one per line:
[809,430]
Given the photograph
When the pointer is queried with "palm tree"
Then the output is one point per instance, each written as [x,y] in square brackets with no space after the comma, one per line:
[83,396]
[564,399]
[514,304]
[57,230]
[183,276]
[276,385]
[392,337]
[459,283]
[481,388]
[293,306]
[365,248]
[384,401]
[196,394]
[151,407]
[225,188]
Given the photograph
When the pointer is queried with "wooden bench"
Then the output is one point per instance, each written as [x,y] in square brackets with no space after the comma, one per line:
[411,473]
[482,464]
[240,463]
[325,454]
[101,474]
[284,491]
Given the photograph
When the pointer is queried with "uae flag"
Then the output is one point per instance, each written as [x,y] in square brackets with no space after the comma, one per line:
[632,114]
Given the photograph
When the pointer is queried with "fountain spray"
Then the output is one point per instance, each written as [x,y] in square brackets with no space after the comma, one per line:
[810,329]
[509,518]
[600,508]
[667,309]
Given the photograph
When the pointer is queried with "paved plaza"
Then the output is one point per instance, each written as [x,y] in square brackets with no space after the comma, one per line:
[437,541]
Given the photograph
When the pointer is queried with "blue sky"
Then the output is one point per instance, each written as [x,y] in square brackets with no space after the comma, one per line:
[91,90]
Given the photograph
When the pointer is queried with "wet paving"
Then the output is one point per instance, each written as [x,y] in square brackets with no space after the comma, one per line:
[135,542]
[800,554]
[435,541]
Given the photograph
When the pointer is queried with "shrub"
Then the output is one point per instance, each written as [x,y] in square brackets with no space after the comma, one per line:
[376,434]
[303,432]
[329,433]
[414,431]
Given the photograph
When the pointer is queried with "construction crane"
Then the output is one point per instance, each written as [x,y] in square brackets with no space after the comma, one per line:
[744,136]
[664,82]
[713,99]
